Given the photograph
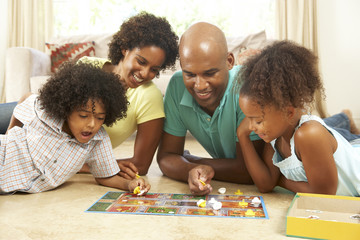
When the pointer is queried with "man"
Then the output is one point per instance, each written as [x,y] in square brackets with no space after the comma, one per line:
[202,99]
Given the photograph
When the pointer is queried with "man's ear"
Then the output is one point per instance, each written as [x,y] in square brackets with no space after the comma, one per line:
[230,61]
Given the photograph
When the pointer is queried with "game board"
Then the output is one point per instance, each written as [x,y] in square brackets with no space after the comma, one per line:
[177,204]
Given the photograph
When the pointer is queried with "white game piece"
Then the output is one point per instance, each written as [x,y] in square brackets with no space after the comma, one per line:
[256,202]
[222,190]
[217,205]
[212,201]
[141,192]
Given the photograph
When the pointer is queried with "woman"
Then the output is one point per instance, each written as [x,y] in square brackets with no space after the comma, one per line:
[144,46]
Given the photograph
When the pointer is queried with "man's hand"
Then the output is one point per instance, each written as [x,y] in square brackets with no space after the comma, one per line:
[199,179]
[127,169]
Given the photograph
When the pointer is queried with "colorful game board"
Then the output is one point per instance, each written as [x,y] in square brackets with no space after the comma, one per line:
[178,205]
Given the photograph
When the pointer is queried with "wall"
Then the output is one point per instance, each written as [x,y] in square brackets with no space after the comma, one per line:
[339,52]
[3,44]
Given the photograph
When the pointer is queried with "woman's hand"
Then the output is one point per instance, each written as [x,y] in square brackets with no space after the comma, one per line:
[127,169]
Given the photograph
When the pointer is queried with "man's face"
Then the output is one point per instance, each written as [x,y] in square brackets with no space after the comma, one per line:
[206,75]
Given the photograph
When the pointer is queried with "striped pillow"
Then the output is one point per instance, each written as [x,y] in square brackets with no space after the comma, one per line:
[68,52]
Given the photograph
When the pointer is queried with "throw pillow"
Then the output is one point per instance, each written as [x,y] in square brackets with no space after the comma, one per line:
[245,53]
[68,52]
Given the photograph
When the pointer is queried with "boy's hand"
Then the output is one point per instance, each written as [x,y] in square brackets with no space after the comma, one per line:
[199,179]
[127,169]
[145,186]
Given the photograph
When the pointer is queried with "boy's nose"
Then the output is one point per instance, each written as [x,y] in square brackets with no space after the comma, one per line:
[91,122]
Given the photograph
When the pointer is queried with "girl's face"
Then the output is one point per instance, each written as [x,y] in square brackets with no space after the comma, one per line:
[268,123]
[85,122]
[140,65]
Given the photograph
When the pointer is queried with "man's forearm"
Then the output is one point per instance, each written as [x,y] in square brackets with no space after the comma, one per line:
[176,167]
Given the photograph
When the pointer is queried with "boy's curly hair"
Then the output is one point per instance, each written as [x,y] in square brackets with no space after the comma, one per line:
[283,74]
[74,84]
[143,30]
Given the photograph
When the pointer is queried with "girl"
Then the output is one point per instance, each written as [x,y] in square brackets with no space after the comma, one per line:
[302,154]
[55,133]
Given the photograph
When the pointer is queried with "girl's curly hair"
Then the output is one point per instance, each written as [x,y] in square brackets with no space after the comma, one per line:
[283,74]
[143,30]
[74,84]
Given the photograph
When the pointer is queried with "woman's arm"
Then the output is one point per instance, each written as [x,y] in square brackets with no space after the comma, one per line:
[146,142]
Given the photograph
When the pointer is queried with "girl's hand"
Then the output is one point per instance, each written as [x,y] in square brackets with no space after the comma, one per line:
[140,182]
[127,169]
[244,128]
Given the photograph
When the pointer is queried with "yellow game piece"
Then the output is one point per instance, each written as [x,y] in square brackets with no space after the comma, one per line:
[243,204]
[137,176]
[250,213]
[202,182]
[238,192]
[201,203]
[137,190]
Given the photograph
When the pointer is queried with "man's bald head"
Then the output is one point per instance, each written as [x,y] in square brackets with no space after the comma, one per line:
[205,38]
[205,64]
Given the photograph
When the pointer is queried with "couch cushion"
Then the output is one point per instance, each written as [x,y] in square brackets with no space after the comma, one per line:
[101,41]
[69,51]
[245,53]
[37,82]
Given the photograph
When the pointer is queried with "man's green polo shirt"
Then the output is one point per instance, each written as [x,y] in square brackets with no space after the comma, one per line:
[217,133]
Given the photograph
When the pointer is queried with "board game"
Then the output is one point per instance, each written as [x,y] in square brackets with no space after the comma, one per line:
[179,205]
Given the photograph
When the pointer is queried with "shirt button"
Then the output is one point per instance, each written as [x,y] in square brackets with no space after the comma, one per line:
[55,161]
[209,119]
[43,179]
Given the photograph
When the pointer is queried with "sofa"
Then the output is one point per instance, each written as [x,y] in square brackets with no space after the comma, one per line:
[27,69]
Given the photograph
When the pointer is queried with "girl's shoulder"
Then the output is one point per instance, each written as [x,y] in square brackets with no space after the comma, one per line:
[309,126]
[312,131]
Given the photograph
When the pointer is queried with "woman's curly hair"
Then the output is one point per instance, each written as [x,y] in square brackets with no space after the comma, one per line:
[143,30]
[283,74]
[74,84]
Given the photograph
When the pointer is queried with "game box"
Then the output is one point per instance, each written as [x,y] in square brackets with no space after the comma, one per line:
[319,216]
